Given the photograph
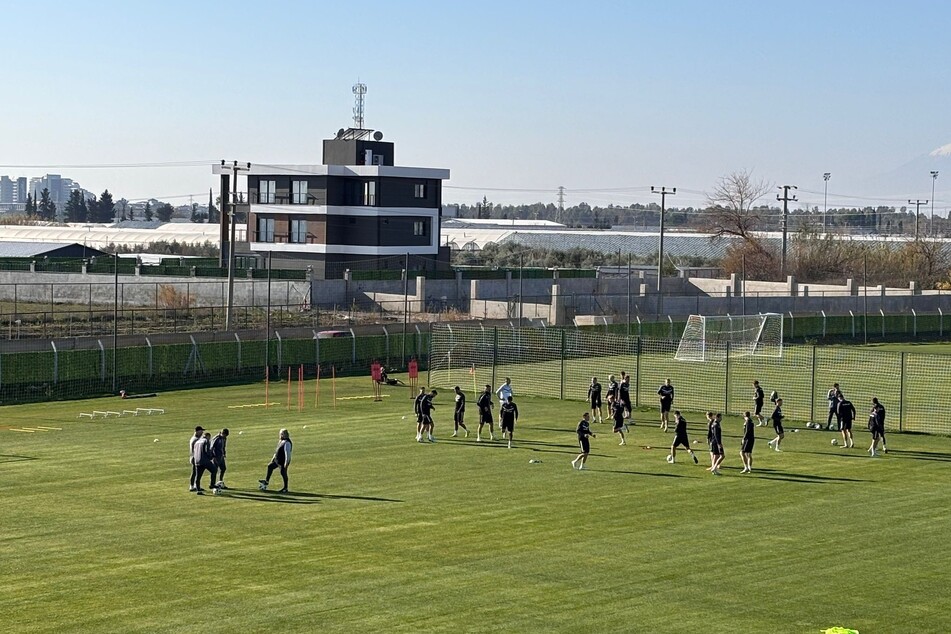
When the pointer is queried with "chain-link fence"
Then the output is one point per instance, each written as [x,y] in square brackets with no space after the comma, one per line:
[559,363]
[33,370]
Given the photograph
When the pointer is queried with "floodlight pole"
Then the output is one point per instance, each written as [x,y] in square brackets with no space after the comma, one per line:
[267,320]
[934,178]
[825,200]
[229,208]
[405,303]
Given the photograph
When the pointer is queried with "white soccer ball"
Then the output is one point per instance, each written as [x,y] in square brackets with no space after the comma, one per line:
[156,440]
[217,490]
[305,426]
[835,442]
[404,418]
[240,432]
[262,486]
[670,459]
[809,425]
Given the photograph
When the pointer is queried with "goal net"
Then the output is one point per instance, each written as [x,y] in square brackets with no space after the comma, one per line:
[712,338]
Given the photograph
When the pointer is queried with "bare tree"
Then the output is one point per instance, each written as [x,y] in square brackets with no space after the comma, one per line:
[731,206]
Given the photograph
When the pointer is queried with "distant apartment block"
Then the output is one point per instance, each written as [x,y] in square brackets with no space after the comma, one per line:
[355,210]
[13,193]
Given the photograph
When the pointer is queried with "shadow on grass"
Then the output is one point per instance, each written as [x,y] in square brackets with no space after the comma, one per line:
[13,458]
[804,478]
[640,473]
[920,455]
[297,497]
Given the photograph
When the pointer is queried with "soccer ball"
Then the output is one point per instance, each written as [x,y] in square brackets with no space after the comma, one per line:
[835,442]
[262,486]
[670,459]
[217,490]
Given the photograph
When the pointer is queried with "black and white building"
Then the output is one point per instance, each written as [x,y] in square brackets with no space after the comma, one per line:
[357,210]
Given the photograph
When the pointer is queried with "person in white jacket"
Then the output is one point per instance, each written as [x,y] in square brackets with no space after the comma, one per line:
[281,460]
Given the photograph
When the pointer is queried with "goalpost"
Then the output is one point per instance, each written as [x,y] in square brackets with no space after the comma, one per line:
[712,337]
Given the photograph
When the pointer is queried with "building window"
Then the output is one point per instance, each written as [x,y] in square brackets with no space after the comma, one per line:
[419,190]
[299,192]
[419,228]
[369,193]
[265,230]
[299,231]
[266,192]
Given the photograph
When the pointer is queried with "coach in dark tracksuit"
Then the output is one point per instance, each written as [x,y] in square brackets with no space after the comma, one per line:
[201,454]
[219,451]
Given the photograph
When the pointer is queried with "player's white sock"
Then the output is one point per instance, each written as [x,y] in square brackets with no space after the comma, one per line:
[574,463]
[478,438]
[454,434]
[510,443]
[581,466]
[467,433]
[622,442]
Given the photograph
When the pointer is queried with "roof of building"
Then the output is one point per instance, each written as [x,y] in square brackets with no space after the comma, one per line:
[102,235]
[500,223]
[11,249]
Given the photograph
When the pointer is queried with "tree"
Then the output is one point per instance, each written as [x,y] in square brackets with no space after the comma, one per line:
[165,212]
[732,210]
[47,208]
[105,210]
[76,207]
[195,217]
[30,208]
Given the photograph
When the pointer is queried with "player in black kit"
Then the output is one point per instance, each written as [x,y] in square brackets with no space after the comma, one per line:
[485,413]
[594,399]
[777,418]
[758,397]
[715,440]
[583,431]
[624,390]
[666,393]
[509,415]
[459,413]
[680,439]
[418,410]
[876,425]
[845,412]
[617,413]
[746,445]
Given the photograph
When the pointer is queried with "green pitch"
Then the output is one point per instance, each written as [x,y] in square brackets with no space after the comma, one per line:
[382,534]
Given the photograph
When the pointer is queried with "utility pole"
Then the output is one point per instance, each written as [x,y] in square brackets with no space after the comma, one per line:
[786,200]
[917,204]
[664,193]
[825,198]
[228,208]
[934,178]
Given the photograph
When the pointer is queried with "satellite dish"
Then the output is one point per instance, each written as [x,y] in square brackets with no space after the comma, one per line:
[340,132]
[377,136]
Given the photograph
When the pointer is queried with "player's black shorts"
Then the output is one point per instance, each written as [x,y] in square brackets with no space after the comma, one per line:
[419,418]
[877,431]
[427,419]
[485,417]
[585,445]
[459,415]
[681,440]
[716,449]
[507,425]
[220,464]
[747,446]
[778,428]
[846,425]
[618,426]
[596,402]
[759,407]
[664,404]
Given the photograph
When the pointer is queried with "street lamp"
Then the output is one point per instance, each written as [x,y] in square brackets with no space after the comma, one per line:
[934,178]
[825,208]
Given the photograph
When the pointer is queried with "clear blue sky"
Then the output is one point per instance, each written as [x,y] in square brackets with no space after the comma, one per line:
[507,95]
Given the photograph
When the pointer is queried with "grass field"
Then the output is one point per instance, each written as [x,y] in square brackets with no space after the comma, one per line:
[381,534]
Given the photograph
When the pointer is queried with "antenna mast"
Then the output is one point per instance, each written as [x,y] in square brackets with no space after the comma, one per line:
[359,89]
